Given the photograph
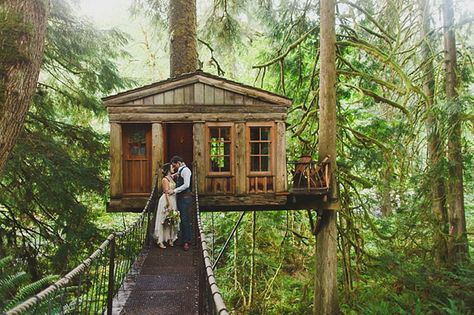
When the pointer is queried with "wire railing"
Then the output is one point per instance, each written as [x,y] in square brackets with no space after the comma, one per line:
[211,301]
[90,287]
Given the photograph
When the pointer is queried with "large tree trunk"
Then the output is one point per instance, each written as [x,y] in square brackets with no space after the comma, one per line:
[183,51]
[22,30]
[435,148]
[325,292]
[457,244]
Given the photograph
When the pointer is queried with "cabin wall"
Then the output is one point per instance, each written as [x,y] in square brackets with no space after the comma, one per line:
[205,106]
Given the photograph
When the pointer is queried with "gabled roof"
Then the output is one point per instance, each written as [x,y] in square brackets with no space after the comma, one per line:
[198,76]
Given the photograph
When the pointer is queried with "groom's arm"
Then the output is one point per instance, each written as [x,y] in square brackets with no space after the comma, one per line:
[186,174]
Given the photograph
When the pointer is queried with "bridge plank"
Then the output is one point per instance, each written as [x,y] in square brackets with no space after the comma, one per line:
[167,283]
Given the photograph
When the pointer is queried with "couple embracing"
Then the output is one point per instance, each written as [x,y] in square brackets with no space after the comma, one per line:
[174,206]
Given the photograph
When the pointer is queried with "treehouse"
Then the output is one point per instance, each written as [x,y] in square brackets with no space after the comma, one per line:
[231,135]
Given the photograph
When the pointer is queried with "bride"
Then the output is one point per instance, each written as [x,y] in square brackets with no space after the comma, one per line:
[166,233]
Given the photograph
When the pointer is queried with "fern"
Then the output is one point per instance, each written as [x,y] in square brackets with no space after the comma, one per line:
[4,261]
[31,289]
[10,282]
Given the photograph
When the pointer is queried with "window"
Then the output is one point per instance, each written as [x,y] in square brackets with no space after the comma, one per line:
[260,148]
[136,142]
[219,149]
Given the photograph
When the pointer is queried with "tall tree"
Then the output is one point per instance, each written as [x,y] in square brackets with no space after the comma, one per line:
[325,293]
[22,29]
[182,28]
[434,147]
[457,244]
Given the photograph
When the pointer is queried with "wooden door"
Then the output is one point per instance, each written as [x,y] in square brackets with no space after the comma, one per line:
[136,159]
[179,141]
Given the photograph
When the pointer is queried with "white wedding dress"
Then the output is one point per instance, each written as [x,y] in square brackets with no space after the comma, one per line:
[164,233]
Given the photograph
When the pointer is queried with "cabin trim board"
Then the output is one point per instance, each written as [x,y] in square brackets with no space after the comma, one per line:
[191,117]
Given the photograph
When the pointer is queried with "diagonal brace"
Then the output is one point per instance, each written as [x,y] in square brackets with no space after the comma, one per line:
[228,240]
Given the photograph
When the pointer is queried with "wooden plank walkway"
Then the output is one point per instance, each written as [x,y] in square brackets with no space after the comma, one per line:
[164,281]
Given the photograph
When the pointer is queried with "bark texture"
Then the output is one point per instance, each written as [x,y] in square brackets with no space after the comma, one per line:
[182,25]
[22,29]
[457,243]
[434,145]
[325,293]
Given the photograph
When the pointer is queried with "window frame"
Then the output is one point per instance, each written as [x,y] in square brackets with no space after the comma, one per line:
[271,150]
[229,173]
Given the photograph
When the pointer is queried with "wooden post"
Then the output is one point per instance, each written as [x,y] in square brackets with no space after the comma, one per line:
[200,155]
[157,149]
[110,291]
[240,165]
[116,181]
[281,184]
[325,291]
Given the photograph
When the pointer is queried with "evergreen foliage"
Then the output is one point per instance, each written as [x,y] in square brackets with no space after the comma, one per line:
[54,187]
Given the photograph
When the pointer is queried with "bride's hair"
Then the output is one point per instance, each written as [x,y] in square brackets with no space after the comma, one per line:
[166,168]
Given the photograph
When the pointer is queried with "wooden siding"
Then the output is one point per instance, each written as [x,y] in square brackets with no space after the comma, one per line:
[197,94]
[225,91]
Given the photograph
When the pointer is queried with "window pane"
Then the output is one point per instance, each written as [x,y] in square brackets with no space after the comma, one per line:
[214,133]
[227,148]
[226,166]
[254,133]
[265,134]
[221,148]
[214,164]
[265,163]
[225,133]
[265,148]
[254,148]
[254,164]
[136,143]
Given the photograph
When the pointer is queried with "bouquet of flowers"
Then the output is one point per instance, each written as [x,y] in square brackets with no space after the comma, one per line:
[172,217]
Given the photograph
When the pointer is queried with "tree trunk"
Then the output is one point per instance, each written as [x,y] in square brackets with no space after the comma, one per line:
[183,51]
[457,243]
[252,262]
[325,293]
[22,29]
[434,146]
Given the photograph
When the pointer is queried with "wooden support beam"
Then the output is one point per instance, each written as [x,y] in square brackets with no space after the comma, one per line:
[116,184]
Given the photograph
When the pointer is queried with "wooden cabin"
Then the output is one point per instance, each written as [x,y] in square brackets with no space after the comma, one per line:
[231,135]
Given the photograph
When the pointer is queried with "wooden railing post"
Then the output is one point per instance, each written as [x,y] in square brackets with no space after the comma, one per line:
[110,292]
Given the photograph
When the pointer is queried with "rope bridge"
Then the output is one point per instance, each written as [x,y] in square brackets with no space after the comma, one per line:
[90,288]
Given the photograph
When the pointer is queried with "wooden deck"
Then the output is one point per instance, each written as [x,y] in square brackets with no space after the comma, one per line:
[163,281]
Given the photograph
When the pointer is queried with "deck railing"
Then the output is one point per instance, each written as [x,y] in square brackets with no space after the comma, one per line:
[210,300]
[90,287]
[308,177]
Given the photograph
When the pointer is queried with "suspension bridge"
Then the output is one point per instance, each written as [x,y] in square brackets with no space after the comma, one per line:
[127,274]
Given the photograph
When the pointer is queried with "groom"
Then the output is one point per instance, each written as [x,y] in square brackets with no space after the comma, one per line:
[184,197]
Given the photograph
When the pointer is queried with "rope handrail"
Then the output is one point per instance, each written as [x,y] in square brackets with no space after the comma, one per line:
[101,286]
[219,304]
